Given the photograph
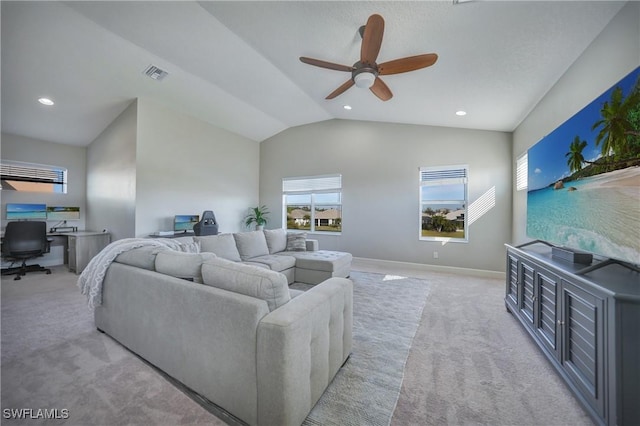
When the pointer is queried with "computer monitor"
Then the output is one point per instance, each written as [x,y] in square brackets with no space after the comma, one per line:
[18,211]
[63,213]
[185,222]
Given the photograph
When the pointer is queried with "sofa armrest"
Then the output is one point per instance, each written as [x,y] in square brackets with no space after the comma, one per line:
[301,346]
[312,245]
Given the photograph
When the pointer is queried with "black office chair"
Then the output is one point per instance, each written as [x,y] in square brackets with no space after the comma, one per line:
[23,241]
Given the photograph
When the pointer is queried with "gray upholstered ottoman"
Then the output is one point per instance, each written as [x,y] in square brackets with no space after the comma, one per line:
[313,267]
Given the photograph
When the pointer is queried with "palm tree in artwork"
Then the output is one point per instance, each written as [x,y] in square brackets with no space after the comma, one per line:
[615,125]
[575,159]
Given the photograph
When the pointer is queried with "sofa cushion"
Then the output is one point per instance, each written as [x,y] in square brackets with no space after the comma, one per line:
[182,264]
[275,262]
[142,257]
[321,260]
[251,244]
[297,241]
[253,281]
[276,240]
[222,245]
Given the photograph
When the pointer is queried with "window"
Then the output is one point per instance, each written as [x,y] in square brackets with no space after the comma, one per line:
[313,204]
[18,176]
[522,170]
[443,203]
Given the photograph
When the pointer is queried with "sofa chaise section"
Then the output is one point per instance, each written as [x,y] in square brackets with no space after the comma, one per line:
[239,338]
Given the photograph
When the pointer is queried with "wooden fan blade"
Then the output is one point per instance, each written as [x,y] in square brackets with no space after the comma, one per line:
[381,90]
[325,64]
[372,39]
[340,90]
[410,63]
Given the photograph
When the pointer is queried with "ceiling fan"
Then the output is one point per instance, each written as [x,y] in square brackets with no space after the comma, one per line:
[366,72]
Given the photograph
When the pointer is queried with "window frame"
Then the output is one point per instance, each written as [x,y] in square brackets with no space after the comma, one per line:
[522,172]
[19,171]
[313,186]
[440,176]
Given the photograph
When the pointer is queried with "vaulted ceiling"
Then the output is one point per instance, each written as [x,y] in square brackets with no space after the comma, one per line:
[235,64]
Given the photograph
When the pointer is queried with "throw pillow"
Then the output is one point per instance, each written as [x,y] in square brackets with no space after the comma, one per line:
[249,280]
[297,241]
[251,244]
[276,240]
[222,245]
[181,264]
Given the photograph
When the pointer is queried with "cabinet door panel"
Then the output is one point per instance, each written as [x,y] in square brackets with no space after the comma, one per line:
[526,298]
[583,354]
[512,281]
[546,309]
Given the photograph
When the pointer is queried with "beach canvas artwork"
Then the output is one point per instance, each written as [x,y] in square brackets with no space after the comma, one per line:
[584,177]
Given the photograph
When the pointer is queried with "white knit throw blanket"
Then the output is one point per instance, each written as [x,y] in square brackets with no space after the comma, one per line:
[90,281]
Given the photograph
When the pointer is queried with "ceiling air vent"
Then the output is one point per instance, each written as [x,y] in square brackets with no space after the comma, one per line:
[155,73]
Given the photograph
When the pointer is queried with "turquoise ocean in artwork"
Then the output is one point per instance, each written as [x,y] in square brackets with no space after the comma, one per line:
[589,218]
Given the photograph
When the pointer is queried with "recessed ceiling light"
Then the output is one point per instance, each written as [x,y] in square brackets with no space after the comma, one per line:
[46,101]
[347,107]
[461,113]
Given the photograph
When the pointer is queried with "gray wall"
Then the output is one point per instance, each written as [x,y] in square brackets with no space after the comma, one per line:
[611,56]
[152,163]
[73,158]
[111,177]
[186,166]
[379,165]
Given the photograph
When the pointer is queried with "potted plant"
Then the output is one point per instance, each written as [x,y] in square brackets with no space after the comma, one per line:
[257,215]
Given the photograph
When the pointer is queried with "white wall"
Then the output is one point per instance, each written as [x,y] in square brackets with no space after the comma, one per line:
[111,177]
[611,56]
[186,166]
[73,158]
[379,165]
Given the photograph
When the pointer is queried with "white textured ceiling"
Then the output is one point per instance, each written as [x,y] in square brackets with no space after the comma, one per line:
[235,64]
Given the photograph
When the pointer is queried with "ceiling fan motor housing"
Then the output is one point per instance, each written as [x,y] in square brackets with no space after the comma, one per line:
[364,75]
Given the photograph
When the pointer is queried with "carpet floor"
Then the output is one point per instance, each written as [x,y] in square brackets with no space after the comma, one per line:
[467,362]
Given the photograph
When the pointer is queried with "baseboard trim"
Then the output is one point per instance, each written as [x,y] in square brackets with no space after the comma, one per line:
[362,262]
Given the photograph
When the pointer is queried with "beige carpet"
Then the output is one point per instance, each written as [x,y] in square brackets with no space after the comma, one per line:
[470,363]
[54,359]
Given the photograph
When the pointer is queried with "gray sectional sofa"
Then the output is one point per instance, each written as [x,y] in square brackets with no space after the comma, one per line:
[291,254]
[232,330]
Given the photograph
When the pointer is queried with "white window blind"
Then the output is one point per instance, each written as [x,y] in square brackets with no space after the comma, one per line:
[311,184]
[443,175]
[25,172]
[522,170]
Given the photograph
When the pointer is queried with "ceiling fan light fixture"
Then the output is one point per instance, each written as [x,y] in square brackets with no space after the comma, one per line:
[364,79]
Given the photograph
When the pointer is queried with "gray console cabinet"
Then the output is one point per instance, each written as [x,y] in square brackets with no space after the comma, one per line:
[588,326]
